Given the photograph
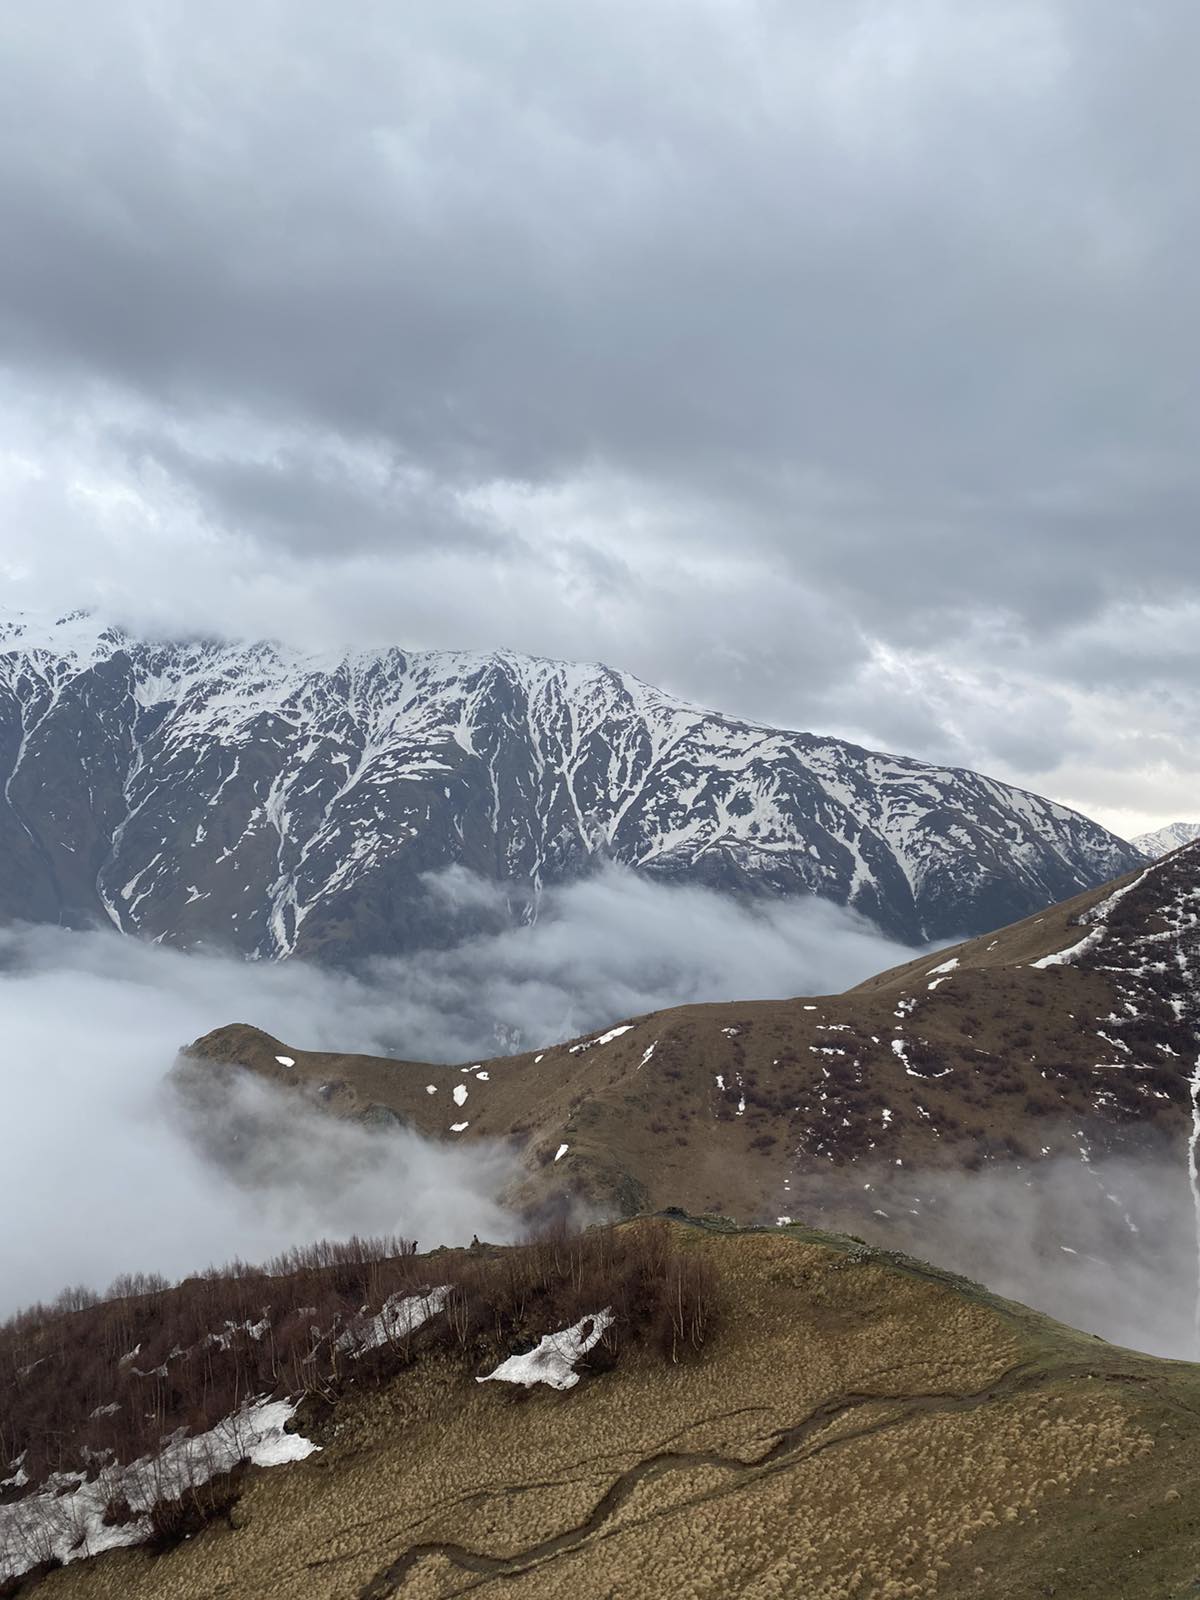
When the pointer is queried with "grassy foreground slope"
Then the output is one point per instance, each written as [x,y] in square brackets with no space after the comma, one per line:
[857,1424]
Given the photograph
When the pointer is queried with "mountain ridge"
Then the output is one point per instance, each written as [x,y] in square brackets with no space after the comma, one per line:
[1065,1043]
[849,1422]
[1163,840]
[276,802]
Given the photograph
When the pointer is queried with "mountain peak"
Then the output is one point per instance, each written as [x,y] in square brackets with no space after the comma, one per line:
[1163,840]
[278,801]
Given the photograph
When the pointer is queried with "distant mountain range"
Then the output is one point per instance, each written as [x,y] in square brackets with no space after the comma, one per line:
[276,802]
[1163,840]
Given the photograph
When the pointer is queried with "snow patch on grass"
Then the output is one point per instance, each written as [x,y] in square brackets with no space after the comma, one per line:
[553,1361]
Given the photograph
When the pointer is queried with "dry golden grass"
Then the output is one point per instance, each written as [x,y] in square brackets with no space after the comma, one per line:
[856,1429]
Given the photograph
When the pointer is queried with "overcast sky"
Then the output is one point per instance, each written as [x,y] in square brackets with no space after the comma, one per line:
[830,363]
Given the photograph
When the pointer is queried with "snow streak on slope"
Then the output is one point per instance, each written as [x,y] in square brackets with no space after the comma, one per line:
[274,801]
[1145,938]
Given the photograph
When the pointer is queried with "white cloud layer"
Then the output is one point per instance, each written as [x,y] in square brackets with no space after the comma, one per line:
[108,1177]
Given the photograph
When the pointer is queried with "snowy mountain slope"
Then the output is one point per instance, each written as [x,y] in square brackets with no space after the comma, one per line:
[1163,840]
[278,802]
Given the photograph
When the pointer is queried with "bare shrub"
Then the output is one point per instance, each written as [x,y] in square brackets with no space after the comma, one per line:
[174,1520]
[90,1391]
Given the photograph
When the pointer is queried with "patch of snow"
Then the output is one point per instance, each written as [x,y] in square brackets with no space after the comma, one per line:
[561,1151]
[400,1316]
[286,1061]
[459,1127]
[553,1361]
[65,1518]
[1098,917]
[1194,1181]
[460,1094]
[605,1038]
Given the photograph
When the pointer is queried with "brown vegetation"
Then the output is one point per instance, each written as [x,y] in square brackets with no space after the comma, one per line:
[89,1381]
[861,1428]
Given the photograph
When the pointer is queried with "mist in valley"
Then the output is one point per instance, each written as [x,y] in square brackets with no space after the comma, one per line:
[1106,1245]
[109,1172]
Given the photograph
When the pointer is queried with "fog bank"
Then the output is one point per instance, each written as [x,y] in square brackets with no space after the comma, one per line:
[106,1178]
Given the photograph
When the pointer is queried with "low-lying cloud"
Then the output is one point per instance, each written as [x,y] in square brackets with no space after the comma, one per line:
[107,1178]
[106,1174]
[1107,1245]
[613,945]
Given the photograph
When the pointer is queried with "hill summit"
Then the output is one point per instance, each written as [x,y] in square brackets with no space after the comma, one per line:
[1163,840]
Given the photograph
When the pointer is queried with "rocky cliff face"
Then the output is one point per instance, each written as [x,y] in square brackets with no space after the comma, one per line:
[276,802]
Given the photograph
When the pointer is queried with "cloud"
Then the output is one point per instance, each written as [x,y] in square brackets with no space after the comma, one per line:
[111,1177]
[1107,1245]
[736,344]
[615,945]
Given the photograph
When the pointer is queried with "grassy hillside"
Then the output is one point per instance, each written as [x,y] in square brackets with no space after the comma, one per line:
[854,1424]
[992,1053]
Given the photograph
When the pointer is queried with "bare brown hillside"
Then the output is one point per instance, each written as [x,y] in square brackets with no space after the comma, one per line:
[1072,1034]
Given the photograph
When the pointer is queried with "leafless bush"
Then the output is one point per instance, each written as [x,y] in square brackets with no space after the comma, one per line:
[103,1385]
[178,1518]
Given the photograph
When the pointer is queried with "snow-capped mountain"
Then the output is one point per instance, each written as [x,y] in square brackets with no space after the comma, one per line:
[1163,840]
[277,802]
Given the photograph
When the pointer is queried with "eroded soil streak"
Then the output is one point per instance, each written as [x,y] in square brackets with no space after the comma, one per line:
[789,1448]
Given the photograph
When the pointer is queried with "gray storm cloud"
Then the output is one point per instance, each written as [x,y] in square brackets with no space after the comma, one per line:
[829,364]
